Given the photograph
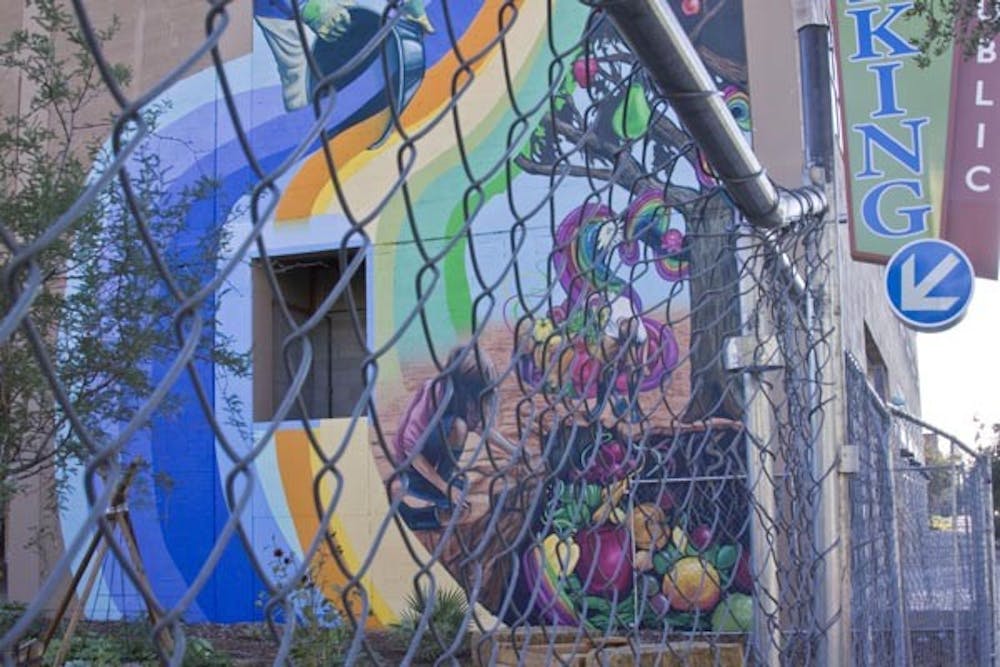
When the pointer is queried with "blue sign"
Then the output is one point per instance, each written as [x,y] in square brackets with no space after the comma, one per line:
[929,284]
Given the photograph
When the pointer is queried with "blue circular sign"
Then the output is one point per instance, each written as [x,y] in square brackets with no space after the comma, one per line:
[929,284]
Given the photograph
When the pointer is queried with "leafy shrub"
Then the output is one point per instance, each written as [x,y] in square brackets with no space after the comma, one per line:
[131,643]
[201,653]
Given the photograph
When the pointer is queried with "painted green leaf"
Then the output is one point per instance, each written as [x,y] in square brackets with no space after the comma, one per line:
[592,496]
[680,619]
[661,563]
[632,115]
[726,557]
[710,555]
[597,605]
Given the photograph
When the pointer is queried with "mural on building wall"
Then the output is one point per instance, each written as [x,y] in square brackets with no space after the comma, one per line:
[555,472]
[572,385]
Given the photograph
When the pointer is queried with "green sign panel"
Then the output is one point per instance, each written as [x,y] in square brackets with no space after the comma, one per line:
[895,127]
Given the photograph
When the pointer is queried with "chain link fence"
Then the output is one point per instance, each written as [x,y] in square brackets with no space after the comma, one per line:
[534,371]
[922,543]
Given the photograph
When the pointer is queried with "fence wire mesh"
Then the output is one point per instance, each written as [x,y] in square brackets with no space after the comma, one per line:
[598,443]
[922,543]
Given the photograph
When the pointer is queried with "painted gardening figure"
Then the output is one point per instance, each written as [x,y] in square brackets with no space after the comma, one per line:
[432,434]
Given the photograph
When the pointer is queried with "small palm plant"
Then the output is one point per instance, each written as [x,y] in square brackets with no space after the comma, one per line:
[447,621]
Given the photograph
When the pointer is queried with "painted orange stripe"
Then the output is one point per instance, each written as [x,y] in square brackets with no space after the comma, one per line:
[293,453]
[298,200]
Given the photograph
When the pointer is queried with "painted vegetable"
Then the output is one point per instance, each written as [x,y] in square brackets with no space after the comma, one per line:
[734,614]
[605,565]
[679,539]
[659,603]
[632,115]
[545,570]
[692,585]
[609,464]
[742,577]
[700,537]
[665,500]
[585,71]
[584,371]
[561,553]
[608,510]
[643,561]
[649,527]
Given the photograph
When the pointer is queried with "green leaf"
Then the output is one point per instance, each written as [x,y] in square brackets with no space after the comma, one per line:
[599,621]
[672,554]
[560,514]
[597,605]
[631,118]
[661,563]
[680,619]
[563,525]
[726,557]
[592,496]
[625,612]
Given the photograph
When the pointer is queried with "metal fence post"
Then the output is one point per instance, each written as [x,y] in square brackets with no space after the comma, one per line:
[830,519]
[901,634]
[753,359]
[992,629]
[977,481]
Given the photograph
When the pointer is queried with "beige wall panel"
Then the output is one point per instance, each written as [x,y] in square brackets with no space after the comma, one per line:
[775,107]
[156,37]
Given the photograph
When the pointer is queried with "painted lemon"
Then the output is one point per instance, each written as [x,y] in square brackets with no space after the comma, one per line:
[692,584]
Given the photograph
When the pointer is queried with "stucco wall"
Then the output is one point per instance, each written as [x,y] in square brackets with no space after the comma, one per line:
[774,83]
[863,302]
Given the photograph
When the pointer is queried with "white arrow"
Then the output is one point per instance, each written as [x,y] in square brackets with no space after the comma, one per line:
[914,295]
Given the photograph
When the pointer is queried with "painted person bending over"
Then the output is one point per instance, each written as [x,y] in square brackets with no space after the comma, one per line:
[432,435]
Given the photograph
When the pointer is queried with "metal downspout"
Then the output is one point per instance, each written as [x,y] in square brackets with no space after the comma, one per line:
[654,34]
[817,101]
[833,602]
[812,26]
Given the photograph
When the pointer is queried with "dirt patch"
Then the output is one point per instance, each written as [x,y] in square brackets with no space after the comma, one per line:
[244,643]
[235,644]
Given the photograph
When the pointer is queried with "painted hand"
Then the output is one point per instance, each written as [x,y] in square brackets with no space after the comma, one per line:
[415,11]
[329,19]
[458,503]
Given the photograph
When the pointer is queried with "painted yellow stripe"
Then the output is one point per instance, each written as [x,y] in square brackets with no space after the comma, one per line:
[311,191]
[298,466]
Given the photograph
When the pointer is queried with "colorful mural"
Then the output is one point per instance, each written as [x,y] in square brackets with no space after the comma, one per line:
[574,414]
